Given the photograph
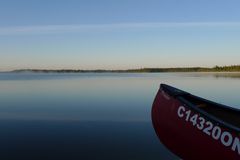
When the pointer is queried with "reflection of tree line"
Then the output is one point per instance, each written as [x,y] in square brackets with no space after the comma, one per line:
[233,68]
[227,75]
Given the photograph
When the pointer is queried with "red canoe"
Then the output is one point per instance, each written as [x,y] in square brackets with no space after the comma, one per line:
[194,128]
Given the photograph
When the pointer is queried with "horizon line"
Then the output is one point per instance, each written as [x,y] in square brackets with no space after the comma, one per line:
[72,69]
[73,28]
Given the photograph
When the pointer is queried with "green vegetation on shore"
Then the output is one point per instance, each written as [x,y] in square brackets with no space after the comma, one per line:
[233,68]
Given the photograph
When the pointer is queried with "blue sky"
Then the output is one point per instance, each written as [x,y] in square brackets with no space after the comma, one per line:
[108,34]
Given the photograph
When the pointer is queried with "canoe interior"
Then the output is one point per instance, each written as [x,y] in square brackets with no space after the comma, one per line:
[224,113]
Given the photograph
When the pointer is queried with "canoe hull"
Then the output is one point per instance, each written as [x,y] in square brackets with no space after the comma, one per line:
[189,134]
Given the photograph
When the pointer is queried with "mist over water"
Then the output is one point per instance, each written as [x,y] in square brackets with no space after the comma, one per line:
[94,115]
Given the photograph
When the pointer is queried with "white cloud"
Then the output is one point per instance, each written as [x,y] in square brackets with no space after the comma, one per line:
[19,30]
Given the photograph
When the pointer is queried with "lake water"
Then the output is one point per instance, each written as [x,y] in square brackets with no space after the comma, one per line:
[94,115]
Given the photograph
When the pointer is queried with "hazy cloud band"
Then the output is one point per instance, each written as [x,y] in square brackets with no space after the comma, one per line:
[106,27]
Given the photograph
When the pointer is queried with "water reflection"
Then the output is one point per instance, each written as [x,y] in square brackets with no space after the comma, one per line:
[215,74]
[74,140]
[92,116]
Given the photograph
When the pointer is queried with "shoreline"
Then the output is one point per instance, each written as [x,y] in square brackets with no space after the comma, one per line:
[217,69]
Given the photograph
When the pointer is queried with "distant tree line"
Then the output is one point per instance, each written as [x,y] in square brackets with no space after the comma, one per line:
[233,68]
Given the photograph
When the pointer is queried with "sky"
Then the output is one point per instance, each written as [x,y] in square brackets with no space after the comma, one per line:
[118,34]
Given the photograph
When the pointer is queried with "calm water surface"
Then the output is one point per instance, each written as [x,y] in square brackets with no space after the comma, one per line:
[94,116]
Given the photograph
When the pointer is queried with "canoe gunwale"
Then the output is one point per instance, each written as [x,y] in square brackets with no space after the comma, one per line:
[179,95]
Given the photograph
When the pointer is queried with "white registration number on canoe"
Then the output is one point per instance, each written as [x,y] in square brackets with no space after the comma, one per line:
[209,128]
